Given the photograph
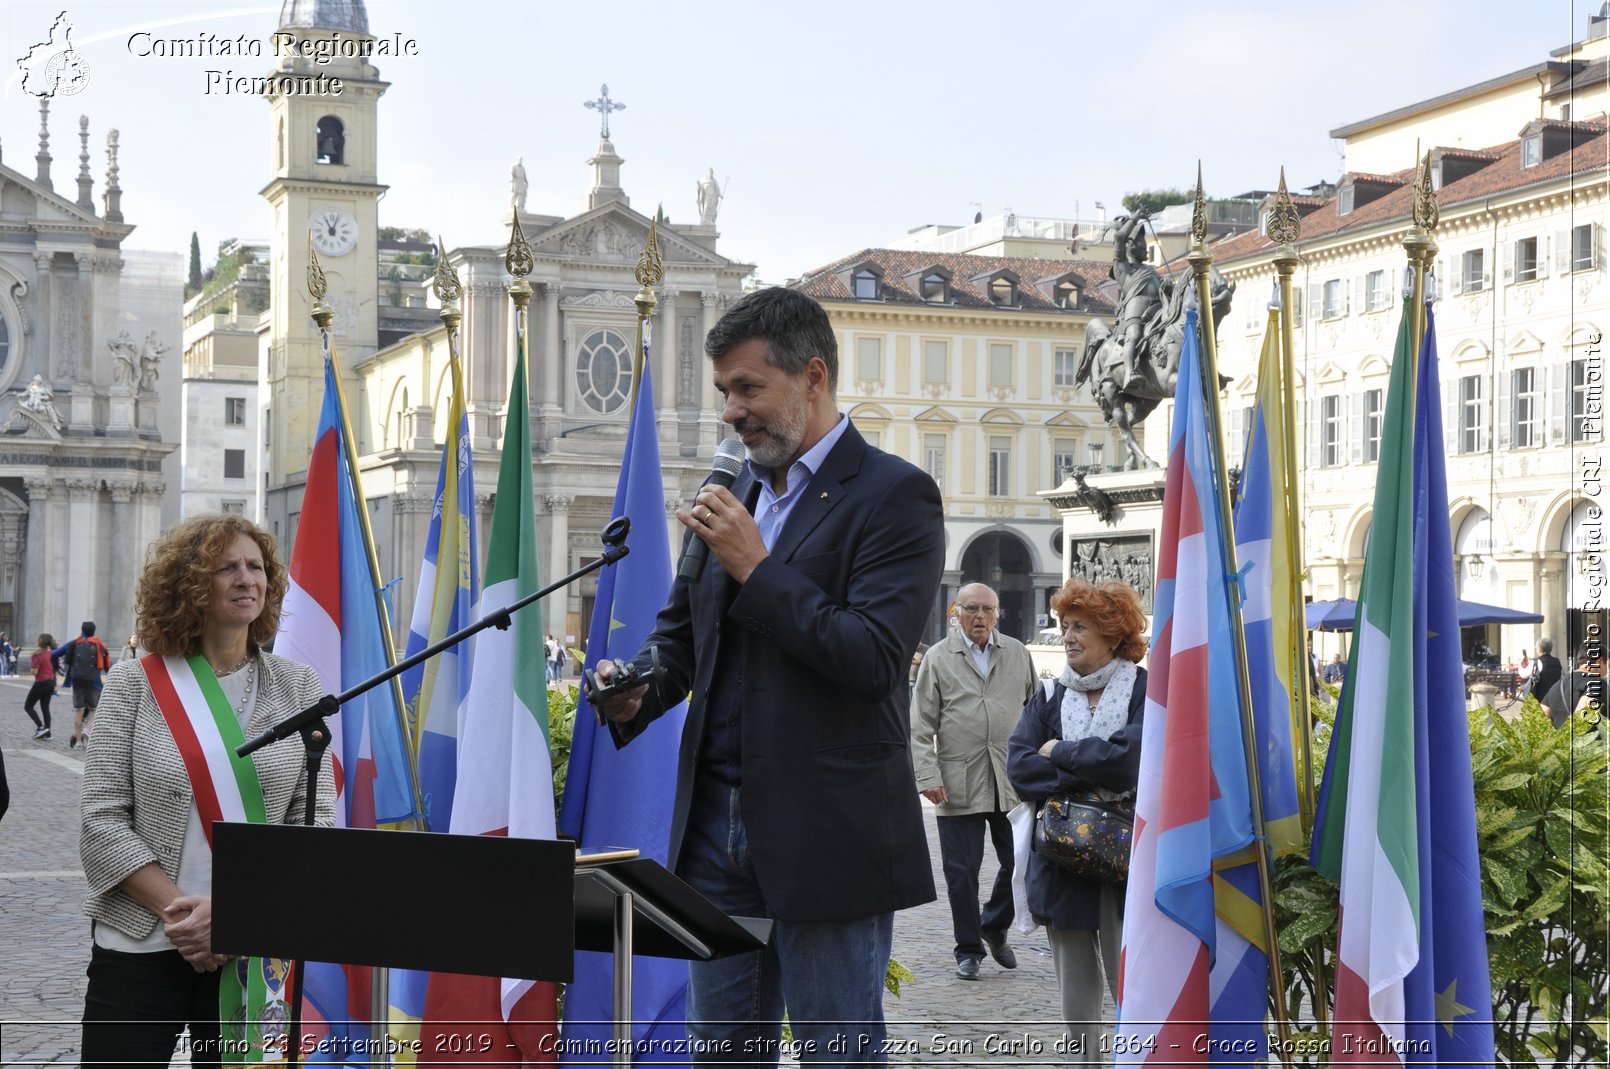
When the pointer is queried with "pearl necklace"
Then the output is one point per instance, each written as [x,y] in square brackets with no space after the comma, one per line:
[222,672]
[246,694]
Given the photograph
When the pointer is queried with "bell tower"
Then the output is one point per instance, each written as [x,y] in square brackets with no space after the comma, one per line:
[324,189]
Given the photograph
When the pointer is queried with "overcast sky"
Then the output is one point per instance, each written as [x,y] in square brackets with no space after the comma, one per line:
[836,125]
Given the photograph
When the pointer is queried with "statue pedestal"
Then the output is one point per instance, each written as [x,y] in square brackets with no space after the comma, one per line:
[80,414]
[705,234]
[1124,549]
[147,411]
[120,412]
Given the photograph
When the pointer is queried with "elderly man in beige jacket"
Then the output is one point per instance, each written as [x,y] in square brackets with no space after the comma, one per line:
[969,695]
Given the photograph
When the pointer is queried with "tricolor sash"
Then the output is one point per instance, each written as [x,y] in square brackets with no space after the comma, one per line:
[204,726]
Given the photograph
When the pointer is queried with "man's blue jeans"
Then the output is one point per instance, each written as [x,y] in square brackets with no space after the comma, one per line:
[829,975]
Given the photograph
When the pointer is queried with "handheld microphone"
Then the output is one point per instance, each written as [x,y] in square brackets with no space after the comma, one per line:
[723,472]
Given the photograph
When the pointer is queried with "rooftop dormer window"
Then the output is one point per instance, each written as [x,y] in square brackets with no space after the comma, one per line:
[1532,150]
[1344,200]
[1002,292]
[1067,295]
[935,288]
[866,285]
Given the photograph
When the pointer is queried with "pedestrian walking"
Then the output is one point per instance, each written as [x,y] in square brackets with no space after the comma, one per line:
[44,688]
[85,657]
[968,696]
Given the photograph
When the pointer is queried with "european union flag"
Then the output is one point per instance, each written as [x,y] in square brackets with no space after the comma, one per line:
[622,798]
[1447,997]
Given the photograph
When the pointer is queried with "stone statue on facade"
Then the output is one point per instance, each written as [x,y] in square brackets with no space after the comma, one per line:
[40,398]
[519,185]
[1133,364]
[710,195]
[150,362]
[125,360]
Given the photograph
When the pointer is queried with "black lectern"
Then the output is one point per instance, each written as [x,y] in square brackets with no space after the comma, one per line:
[479,904]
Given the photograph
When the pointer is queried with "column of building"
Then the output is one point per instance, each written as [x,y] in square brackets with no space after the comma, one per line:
[550,403]
[553,532]
[410,524]
[484,339]
[709,400]
[83,556]
[81,337]
[1550,584]
[31,618]
[45,284]
[125,561]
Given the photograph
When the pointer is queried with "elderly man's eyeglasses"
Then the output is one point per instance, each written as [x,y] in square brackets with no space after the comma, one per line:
[978,610]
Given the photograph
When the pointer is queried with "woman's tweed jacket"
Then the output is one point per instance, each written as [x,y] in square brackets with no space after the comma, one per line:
[136,796]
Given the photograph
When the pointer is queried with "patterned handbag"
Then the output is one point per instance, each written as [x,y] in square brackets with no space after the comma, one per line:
[1086,836]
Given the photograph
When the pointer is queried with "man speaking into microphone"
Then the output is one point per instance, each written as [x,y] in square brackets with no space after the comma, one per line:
[795,795]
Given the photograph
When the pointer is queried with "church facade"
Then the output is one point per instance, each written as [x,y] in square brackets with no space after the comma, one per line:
[582,337]
[86,433]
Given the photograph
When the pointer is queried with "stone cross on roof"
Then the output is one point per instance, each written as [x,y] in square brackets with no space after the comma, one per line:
[604,105]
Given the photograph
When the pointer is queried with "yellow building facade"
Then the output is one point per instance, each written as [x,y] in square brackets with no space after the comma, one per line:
[965,366]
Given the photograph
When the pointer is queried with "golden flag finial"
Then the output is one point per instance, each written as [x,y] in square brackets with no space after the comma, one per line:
[1285,225]
[446,283]
[317,285]
[650,266]
[1199,211]
[518,257]
[1426,212]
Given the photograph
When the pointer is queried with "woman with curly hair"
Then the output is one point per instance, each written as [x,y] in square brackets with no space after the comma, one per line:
[162,770]
[1082,731]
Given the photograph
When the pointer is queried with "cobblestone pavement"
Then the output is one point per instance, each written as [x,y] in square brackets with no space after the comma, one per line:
[44,938]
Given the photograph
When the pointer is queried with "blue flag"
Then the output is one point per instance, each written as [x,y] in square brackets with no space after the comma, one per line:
[623,797]
[1447,996]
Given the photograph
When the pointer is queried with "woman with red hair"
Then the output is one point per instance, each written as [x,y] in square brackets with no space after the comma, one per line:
[1082,732]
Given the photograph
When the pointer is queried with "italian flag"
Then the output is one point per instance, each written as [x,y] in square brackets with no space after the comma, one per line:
[505,772]
[1364,835]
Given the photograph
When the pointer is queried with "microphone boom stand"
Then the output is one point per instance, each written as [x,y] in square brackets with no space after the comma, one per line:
[309,723]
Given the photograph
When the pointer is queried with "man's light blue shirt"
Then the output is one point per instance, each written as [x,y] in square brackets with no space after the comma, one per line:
[771,511]
[980,654]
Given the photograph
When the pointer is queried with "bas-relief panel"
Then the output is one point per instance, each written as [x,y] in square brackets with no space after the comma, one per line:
[1126,558]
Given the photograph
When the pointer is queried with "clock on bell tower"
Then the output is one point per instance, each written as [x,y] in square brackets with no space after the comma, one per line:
[325,194]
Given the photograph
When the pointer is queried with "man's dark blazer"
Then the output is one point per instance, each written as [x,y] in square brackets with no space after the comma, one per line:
[829,623]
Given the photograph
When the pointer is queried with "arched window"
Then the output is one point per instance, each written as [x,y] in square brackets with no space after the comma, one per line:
[604,371]
[401,418]
[332,140]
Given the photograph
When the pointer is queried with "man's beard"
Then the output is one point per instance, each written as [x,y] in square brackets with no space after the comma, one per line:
[784,433]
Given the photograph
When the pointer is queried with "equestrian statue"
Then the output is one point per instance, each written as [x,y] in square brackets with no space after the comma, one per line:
[1133,364]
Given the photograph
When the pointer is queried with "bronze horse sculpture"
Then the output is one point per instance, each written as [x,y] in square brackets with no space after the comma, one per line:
[1133,364]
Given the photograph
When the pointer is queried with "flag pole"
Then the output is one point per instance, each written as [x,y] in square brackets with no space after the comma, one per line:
[445,284]
[1285,227]
[1422,249]
[650,272]
[1201,261]
[324,316]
